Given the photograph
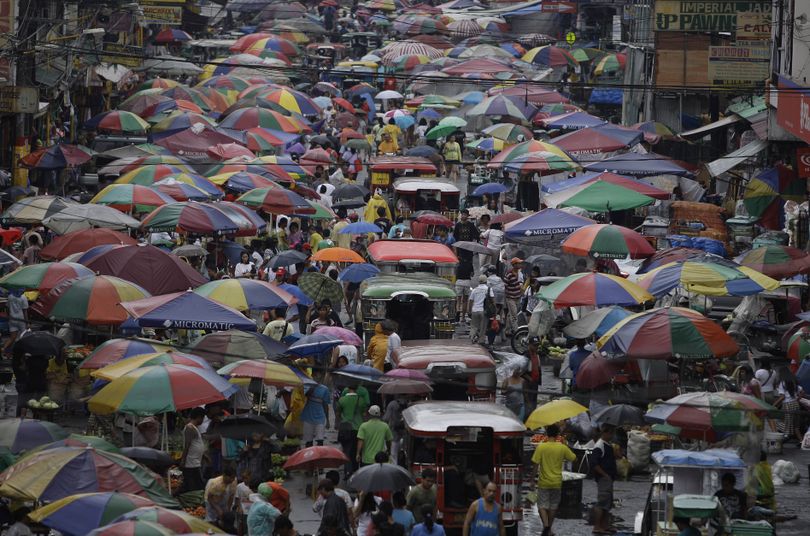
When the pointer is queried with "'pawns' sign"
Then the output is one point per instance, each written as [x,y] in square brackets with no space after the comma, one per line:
[707,16]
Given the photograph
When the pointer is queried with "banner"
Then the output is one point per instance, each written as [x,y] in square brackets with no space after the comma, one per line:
[793,111]
[738,65]
[165,15]
[708,16]
[803,162]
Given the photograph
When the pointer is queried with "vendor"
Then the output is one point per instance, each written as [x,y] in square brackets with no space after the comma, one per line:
[734,501]
[58,378]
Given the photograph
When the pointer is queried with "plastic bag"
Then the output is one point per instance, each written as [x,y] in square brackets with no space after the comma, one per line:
[786,471]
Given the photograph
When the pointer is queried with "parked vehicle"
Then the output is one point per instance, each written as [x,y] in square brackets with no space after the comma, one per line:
[413,256]
[386,169]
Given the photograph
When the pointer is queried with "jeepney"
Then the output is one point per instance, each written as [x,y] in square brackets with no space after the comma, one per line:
[460,438]
[385,169]
[426,193]
[422,304]
[413,256]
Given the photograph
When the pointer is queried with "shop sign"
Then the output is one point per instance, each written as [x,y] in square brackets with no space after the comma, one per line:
[709,16]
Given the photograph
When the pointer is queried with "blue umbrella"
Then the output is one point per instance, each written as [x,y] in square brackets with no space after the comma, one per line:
[490,188]
[471,97]
[314,344]
[303,299]
[361,370]
[803,374]
[186,310]
[357,273]
[548,222]
[323,102]
[404,121]
[639,165]
[232,251]
[574,120]
[360,227]
[422,150]
[429,113]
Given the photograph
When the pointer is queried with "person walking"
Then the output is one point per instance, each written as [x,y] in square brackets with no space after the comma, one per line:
[220,496]
[349,411]
[548,458]
[193,452]
[604,468]
[513,292]
[393,418]
[476,310]
[315,415]
[484,516]
[423,496]
[334,513]
[373,436]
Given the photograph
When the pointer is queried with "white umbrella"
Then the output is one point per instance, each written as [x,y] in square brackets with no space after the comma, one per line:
[388,94]
[80,217]
[171,65]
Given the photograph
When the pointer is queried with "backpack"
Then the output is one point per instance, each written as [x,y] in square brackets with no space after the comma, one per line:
[490,310]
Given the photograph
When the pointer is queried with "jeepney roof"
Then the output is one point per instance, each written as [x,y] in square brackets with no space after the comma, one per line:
[398,250]
[438,416]
[428,353]
[399,163]
[385,286]
[708,459]
[416,184]
[211,43]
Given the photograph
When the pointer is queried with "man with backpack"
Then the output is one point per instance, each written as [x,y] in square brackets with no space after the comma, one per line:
[480,308]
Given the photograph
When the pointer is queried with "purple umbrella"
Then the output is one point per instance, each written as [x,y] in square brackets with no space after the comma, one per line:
[297,148]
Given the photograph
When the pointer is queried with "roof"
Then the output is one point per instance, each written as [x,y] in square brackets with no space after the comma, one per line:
[424,354]
[417,184]
[400,250]
[735,158]
[439,416]
[712,458]
[387,286]
[398,163]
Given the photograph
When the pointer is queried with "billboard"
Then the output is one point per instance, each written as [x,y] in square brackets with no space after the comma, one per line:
[710,16]
[736,65]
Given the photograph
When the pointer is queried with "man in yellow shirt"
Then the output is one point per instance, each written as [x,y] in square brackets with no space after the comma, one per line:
[549,457]
[393,129]
[315,238]
[388,145]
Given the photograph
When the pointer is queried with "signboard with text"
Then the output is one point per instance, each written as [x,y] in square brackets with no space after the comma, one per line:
[709,16]
[738,65]
[803,162]
[126,55]
[19,100]
[793,111]
[159,14]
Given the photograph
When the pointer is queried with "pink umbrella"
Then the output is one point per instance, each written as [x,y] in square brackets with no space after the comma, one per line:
[407,374]
[347,336]
[226,151]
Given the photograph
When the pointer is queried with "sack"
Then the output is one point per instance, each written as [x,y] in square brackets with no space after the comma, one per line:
[490,310]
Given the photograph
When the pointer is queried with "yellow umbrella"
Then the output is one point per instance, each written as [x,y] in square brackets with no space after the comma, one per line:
[554,412]
[124,366]
[269,372]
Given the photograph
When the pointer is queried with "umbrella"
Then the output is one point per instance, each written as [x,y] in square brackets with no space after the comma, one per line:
[508,132]
[314,344]
[319,286]
[798,345]
[550,56]
[355,273]
[132,528]
[287,258]
[702,414]
[360,227]
[180,191]
[172,35]
[43,277]
[160,389]
[620,415]
[19,435]
[241,427]
[490,188]
[601,196]
[573,121]
[246,118]
[246,294]
[381,477]
[82,217]
[39,343]
[607,241]
[602,138]
[711,276]
[665,333]
[547,222]
[59,156]
[388,95]
[314,458]
[186,310]
[766,193]
[554,412]
[150,267]
[76,440]
[117,121]
[149,457]
[594,289]
[347,336]
[125,366]
[596,322]
[35,209]
[268,372]
[776,261]
[429,217]
[227,346]
[276,201]
[639,165]
[175,520]
[540,258]
[77,515]
[489,145]
[501,106]
[666,256]
[57,473]
[596,371]
[189,217]
[115,350]
[93,299]
[303,299]
[190,251]
[405,387]
[531,146]
[407,374]
[349,191]
[243,181]
[539,162]
[475,247]
[77,241]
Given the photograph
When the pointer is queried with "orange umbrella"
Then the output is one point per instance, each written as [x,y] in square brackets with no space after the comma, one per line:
[337,255]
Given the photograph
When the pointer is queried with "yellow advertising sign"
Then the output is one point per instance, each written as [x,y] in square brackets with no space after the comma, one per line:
[163,15]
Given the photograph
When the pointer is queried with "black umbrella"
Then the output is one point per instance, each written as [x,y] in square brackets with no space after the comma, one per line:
[287,258]
[242,426]
[349,191]
[39,343]
[321,140]
[148,456]
[381,477]
[349,203]
[619,415]
[536,259]
[474,247]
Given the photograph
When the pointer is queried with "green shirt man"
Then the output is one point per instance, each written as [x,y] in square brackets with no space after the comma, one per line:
[373,436]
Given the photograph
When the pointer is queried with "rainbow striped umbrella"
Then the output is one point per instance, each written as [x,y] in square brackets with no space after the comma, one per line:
[132,528]
[18,435]
[154,160]
[160,389]
[143,102]
[229,346]
[531,146]
[291,100]
[146,175]
[190,217]
[131,198]
[667,332]
[226,82]
[766,193]
[264,139]
[180,191]
[79,514]
[709,276]
[245,118]
[275,201]
[246,294]
[191,94]
[269,372]
[57,473]
[776,261]
[408,63]
[117,121]
[539,162]
[115,350]
[595,289]
[798,346]
[93,299]
[550,56]
[278,44]
[503,106]
[125,366]
[607,241]
[508,132]
[242,181]
[172,35]
[610,64]
[44,276]
[158,83]
[176,520]
[487,145]
[180,120]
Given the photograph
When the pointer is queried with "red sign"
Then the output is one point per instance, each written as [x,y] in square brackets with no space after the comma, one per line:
[558,7]
[793,109]
[803,162]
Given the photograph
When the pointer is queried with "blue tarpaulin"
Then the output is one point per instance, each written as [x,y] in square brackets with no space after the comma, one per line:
[606,96]
[547,222]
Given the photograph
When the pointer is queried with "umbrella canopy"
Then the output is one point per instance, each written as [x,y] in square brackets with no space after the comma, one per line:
[320,287]
[190,217]
[601,196]
[314,458]
[336,254]
[620,415]
[82,217]
[232,345]
[594,289]
[180,191]
[246,294]
[667,332]
[508,132]
[175,520]
[710,275]
[798,345]
[347,336]
[407,374]
[668,255]
[639,165]
[539,162]
[241,427]
[531,146]
[702,415]
[59,156]
[475,247]
[32,210]
[766,193]
[268,372]
[360,227]
[172,35]
[160,389]
[501,106]
[149,267]
[572,121]
[77,515]
[125,366]
[19,435]
[381,477]
[287,258]
[547,222]
[132,528]
[186,310]
[115,350]
[550,56]
[776,261]
[243,181]
[314,344]
[117,121]
[94,299]
[276,201]
[596,371]
[78,241]
[596,322]
[405,387]
[554,412]
[43,277]
[354,273]
[562,190]
[607,241]
[602,138]
[57,473]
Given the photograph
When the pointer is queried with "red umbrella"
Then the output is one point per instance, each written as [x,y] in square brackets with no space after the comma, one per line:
[507,217]
[433,218]
[346,120]
[312,458]
[226,151]
[57,156]
[79,241]
[316,157]
[350,134]
[343,103]
[172,35]
[193,144]
[595,371]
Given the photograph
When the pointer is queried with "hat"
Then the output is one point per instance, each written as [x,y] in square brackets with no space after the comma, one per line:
[482,278]
[281,272]
[516,260]
[374,411]
[353,216]
[265,489]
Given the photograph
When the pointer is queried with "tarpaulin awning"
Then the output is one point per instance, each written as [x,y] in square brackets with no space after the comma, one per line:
[705,129]
[547,222]
[735,158]
[186,310]
[606,96]
[598,139]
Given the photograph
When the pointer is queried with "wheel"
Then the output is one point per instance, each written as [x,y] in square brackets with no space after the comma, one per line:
[520,340]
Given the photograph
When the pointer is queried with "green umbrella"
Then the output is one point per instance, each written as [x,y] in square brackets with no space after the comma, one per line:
[440,131]
[359,145]
[319,287]
[603,196]
[457,122]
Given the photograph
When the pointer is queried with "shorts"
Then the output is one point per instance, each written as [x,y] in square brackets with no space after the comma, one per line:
[548,498]
[16,325]
[604,493]
[463,287]
[313,432]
